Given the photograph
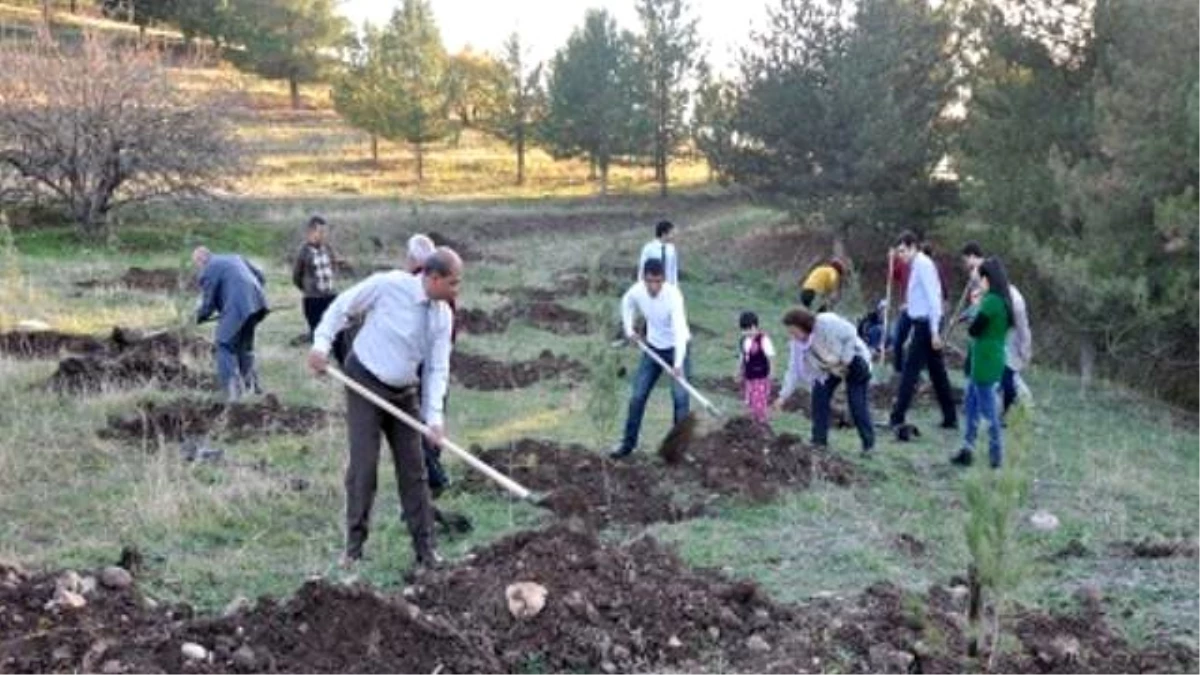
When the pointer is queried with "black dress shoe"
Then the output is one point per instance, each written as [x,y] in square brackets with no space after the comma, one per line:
[962,458]
[620,453]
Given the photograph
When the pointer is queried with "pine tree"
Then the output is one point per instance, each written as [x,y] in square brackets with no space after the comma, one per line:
[667,50]
[521,102]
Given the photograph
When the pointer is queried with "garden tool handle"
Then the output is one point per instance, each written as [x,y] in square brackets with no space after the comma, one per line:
[479,465]
[684,383]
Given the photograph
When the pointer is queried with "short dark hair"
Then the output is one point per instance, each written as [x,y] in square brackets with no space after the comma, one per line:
[654,268]
[907,238]
[800,318]
[663,227]
[748,320]
[315,222]
[972,248]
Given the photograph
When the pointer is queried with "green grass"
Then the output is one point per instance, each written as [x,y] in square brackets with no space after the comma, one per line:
[1112,466]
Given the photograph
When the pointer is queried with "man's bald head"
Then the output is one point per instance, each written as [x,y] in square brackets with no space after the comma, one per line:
[443,274]
[200,256]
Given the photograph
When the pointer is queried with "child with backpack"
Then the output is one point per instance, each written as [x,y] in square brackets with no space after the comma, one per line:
[755,352]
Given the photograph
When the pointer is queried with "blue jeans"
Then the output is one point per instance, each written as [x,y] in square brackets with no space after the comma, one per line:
[858,381]
[981,402]
[647,376]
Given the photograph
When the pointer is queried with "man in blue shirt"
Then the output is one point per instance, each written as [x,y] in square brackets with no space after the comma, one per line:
[233,287]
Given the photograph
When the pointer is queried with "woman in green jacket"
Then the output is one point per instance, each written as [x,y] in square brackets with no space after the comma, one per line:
[988,332]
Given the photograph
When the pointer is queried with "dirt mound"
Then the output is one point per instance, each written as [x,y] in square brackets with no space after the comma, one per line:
[555,318]
[480,322]
[91,374]
[746,459]
[189,417]
[47,344]
[480,372]
[609,608]
[465,250]
[579,483]
[151,280]
[51,344]
[883,394]
[1159,548]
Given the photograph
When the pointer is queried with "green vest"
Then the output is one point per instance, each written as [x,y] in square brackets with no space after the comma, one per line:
[987,350]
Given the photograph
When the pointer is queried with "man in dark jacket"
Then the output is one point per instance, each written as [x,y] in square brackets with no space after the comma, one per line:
[232,286]
[313,272]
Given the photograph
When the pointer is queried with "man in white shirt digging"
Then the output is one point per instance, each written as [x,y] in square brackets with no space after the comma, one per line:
[407,323]
[667,334]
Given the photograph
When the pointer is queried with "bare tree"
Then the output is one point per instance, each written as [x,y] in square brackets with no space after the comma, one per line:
[100,126]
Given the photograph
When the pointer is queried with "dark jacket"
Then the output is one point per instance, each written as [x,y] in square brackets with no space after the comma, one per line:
[232,286]
[314,271]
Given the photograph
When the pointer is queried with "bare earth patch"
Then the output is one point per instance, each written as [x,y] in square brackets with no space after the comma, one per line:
[185,418]
[480,372]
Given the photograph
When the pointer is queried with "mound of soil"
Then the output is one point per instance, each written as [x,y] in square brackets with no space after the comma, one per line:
[1159,548]
[47,344]
[628,608]
[465,250]
[185,418]
[51,344]
[92,374]
[555,318]
[151,280]
[479,322]
[746,459]
[480,372]
[582,484]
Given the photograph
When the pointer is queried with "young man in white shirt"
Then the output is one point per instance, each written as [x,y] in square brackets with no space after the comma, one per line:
[667,334]
[925,297]
[407,323]
[661,248]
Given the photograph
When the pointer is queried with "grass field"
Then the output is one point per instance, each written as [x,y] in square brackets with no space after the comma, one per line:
[1112,466]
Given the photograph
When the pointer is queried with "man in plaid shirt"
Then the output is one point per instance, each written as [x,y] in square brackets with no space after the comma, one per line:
[313,272]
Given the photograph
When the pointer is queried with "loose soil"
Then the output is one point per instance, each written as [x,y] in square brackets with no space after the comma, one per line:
[47,344]
[747,459]
[1159,548]
[52,344]
[480,372]
[629,607]
[581,484]
[186,418]
[480,322]
[151,280]
[555,318]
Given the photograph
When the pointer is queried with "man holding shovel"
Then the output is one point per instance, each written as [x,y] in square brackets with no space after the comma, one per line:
[407,323]
[232,286]
[667,335]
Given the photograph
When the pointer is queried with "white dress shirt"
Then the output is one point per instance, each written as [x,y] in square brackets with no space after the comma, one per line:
[402,330]
[656,249]
[666,321]
[924,294]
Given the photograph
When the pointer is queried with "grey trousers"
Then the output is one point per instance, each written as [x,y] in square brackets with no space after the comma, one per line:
[366,423]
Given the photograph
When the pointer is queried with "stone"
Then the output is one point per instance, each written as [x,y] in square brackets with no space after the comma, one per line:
[714,633]
[112,667]
[67,599]
[245,659]
[1044,521]
[756,643]
[116,578]
[62,653]
[885,659]
[608,667]
[69,581]
[87,587]
[674,642]
[526,599]
[621,653]
[193,652]
[236,606]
